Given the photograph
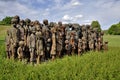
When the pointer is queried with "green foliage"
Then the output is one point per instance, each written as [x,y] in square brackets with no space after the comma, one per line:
[114,29]
[6,21]
[95,24]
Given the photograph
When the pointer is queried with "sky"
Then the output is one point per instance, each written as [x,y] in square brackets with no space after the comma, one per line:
[106,12]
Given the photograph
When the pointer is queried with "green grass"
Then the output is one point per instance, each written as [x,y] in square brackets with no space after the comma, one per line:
[90,66]
[3,30]
[113,40]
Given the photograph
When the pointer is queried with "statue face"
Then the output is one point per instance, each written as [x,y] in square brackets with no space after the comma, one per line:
[45,22]
[21,23]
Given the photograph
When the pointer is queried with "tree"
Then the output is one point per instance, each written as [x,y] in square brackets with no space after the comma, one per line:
[95,24]
[114,29]
[6,20]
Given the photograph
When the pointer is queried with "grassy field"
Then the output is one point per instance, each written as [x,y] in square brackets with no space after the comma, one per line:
[114,40]
[3,30]
[90,66]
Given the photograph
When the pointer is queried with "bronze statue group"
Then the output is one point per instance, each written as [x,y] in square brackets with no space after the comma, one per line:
[36,42]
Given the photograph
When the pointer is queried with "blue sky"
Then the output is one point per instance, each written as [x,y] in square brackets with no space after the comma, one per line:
[107,12]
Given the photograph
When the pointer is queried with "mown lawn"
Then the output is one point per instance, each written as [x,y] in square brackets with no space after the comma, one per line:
[90,66]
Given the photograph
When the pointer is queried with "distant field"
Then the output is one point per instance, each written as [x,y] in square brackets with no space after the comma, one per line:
[3,30]
[113,40]
[90,66]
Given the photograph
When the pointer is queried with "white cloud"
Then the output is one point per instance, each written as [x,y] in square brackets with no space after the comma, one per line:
[78,16]
[24,11]
[15,8]
[47,9]
[71,4]
[76,3]
[105,11]
[67,18]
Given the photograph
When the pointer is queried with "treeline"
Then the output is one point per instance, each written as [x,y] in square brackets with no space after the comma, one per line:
[114,29]
[6,20]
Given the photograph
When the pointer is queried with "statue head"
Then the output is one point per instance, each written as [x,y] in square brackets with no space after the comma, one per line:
[38,27]
[60,23]
[21,43]
[66,41]
[79,40]
[14,22]
[27,21]
[70,25]
[33,30]
[22,22]
[17,18]
[45,21]
[52,24]
[32,23]
[36,22]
